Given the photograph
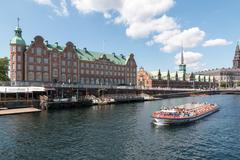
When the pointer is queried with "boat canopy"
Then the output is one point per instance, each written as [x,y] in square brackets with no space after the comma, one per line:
[169,111]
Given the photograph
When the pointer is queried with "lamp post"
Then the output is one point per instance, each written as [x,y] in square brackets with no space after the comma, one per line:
[193,84]
[70,86]
[62,89]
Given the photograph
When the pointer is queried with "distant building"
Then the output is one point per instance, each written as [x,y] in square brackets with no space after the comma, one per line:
[227,77]
[47,63]
[178,79]
[173,80]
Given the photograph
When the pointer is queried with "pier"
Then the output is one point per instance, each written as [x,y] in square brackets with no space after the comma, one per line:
[18,111]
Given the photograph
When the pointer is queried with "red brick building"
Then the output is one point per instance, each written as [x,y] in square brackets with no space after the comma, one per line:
[44,62]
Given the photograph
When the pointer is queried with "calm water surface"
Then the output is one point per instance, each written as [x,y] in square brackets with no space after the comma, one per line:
[122,131]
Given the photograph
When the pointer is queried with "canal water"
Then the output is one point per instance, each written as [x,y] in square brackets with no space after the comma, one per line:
[122,132]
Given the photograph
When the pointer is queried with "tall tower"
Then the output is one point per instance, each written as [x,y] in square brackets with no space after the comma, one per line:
[236,59]
[17,48]
[182,66]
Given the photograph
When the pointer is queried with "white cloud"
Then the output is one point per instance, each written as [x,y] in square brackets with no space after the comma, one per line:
[174,39]
[142,10]
[141,17]
[149,43]
[191,59]
[216,42]
[102,6]
[141,29]
[60,10]
[44,2]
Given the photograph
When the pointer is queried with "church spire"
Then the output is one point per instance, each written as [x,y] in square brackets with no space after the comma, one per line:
[18,19]
[237,47]
[236,59]
[182,66]
[182,58]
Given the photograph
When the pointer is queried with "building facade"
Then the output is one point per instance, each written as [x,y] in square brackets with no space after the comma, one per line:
[173,80]
[227,77]
[52,63]
[178,79]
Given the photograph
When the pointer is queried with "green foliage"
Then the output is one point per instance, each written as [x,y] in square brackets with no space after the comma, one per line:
[4,64]
[223,84]
[238,83]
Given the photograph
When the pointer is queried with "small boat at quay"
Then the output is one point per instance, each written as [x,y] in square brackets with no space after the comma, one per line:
[183,113]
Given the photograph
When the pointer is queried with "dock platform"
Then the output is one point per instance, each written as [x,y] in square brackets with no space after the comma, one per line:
[18,111]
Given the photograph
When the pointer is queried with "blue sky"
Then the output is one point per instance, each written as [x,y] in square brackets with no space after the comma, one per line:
[208,30]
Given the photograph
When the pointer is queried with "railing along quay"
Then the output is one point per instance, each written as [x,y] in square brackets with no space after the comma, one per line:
[89,86]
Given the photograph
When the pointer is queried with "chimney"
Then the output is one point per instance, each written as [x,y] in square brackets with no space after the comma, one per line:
[46,42]
[85,49]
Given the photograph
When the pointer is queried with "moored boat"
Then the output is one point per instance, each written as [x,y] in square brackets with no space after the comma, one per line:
[183,113]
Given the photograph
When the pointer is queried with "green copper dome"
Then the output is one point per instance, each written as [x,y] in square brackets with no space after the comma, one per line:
[17,39]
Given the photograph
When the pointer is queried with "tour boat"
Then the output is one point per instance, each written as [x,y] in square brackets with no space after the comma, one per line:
[183,113]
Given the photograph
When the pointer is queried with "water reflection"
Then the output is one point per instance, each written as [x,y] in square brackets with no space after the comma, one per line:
[122,131]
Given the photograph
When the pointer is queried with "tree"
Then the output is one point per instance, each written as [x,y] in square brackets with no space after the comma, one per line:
[159,75]
[176,76]
[223,84]
[168,76]
[4,64]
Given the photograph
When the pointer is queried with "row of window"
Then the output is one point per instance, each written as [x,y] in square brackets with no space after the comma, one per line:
[18,58]
[38,51]
[38,60]
[64,70]
[38,76]
[101,72]
[18,49]
[102,66]
[103,81]
[13,67]
[69,63]
[37,68]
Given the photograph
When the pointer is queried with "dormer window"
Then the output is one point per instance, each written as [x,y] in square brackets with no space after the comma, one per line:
[69,55]
[39,51]
[32,50]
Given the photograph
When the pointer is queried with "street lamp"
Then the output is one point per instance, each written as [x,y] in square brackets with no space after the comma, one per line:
[62,89]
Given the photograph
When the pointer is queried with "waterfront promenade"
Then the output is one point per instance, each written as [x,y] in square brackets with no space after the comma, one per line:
[75,95]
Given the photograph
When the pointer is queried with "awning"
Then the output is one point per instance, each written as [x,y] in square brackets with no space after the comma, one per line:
[9,89]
